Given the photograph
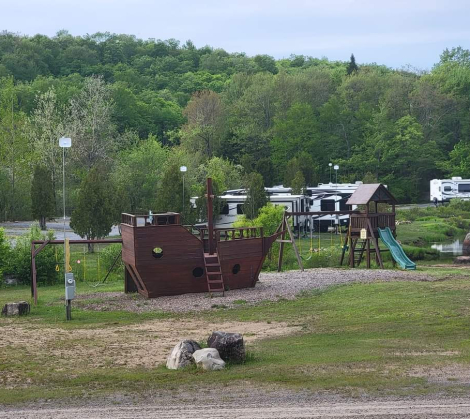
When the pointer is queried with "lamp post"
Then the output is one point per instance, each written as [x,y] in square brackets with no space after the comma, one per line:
[183,169]
[336,167]
[330,164]
[69,281]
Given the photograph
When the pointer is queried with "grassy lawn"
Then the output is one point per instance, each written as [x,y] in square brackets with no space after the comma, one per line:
[380,338]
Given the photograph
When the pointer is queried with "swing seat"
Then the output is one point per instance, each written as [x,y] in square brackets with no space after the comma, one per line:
[345,247]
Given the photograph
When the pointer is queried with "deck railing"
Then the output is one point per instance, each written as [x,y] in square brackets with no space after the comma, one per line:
[224,234]
[379,220]
[148,220]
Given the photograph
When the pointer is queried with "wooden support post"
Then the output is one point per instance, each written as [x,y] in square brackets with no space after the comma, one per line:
[376,244]
[210,215]
[296,251]
[368,253]
[281,247]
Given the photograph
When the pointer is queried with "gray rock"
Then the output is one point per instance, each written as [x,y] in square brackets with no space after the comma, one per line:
[230,346]
[16,309]
[10,280]
[466,246]
[181,355]
[208,359]
[462,260]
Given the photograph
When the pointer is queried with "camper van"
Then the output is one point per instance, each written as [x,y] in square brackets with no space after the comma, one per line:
[443,190]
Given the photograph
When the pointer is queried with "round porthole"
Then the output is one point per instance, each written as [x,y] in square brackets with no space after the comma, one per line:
[236,269]
[198,272]
[157,252]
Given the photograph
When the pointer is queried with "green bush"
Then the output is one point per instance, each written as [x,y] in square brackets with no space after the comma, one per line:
[46,260]
[5,254]
[109,255]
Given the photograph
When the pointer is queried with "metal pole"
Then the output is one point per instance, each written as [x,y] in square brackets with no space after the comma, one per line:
[182,210]
[63,195]
[330,174]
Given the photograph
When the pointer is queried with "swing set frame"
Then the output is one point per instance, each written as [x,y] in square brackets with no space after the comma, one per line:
[43,243]
[286,229]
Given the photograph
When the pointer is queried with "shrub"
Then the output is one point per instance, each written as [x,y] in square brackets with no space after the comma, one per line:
[45,260]
[109,255]
[5,254]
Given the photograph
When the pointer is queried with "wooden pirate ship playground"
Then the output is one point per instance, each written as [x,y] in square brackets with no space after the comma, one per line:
[163,257]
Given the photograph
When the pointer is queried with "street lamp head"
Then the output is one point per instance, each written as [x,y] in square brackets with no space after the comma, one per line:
[65,142]
[330,164]
[183,169]
[336,167]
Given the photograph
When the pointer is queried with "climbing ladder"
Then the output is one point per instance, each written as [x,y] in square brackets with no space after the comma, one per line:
[359,248]
[215,280]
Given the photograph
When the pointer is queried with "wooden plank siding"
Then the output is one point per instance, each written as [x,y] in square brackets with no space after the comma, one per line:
[172,274]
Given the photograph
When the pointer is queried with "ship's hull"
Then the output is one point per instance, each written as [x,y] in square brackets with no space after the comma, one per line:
[179,267]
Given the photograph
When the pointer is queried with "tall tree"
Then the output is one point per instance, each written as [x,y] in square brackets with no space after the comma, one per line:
[42,195]
[46,127]
[352,66]
[90,123]
[94,214]
[256,196]
[202,133]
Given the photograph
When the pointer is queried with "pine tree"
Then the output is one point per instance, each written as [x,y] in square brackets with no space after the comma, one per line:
[352,66]
[256,197]
[95,212]
[170,192]
[298,184]
[42,195]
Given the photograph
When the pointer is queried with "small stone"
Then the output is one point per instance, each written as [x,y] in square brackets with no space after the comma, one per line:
[10,280]
[181,355]
[16,309]
[230,346]
[462,260]
[208,359]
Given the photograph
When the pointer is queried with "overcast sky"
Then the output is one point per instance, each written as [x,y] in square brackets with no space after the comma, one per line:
[391,32]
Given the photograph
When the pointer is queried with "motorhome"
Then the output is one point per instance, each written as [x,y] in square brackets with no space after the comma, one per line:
[234,202]
[443,190]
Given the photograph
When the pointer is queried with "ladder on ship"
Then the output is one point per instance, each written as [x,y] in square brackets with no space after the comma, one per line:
[215,280]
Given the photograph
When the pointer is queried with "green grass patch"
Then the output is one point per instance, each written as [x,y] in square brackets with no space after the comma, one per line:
[352,339]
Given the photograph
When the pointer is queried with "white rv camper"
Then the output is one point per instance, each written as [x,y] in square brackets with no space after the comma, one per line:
[443,190]
[234,202]
[234,206]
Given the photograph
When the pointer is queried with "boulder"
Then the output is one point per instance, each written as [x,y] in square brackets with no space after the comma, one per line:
[230,346]
[466,246]
[10,280]
[16,309]
[182,355]
[208,359]
[462,260]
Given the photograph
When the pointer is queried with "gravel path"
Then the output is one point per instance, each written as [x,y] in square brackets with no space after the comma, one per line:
[271,287]
[251,403]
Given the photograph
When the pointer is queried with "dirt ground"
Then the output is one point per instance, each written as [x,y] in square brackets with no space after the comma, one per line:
[250,403]
[146,345]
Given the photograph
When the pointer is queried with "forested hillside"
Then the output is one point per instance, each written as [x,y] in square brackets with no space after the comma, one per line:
[137,110]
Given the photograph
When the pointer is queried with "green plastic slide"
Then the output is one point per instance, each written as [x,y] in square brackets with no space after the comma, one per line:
[395,249]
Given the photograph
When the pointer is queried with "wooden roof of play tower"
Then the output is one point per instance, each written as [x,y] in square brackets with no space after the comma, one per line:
[371,192]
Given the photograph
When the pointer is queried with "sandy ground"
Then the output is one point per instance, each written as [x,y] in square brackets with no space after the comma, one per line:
[145,345]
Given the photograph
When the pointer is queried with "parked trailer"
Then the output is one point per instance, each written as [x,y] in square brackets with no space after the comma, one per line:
[443,190]
[234,206]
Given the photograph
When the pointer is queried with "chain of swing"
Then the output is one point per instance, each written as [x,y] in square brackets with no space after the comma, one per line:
[311,227]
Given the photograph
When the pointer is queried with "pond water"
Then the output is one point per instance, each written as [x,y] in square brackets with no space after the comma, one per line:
[453,248]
